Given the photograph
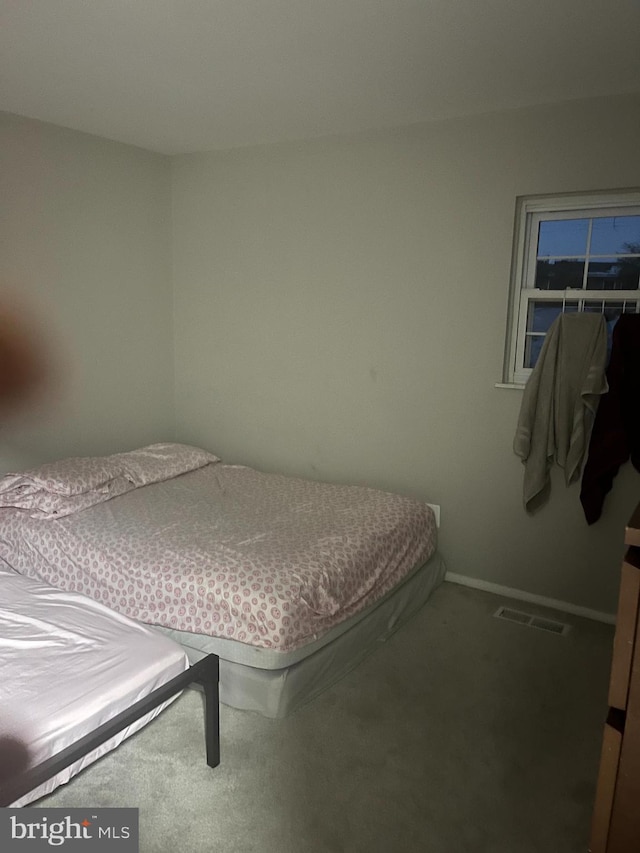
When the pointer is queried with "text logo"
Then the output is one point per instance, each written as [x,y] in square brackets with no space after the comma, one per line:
[31,830]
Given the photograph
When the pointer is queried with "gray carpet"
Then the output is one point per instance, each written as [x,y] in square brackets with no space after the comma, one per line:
[461,734]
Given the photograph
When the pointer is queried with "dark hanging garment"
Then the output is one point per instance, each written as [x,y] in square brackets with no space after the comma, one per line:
[616,431]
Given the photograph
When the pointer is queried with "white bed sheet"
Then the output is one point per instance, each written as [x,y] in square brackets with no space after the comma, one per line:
[70,664]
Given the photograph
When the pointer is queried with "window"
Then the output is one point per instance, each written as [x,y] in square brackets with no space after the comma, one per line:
[571,253]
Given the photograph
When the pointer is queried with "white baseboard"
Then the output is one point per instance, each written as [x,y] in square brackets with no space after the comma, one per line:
[521,595]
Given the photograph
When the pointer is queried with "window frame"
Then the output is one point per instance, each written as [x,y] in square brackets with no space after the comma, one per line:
[530,211]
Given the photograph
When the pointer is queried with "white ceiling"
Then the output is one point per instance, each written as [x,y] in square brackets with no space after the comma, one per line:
[195,75]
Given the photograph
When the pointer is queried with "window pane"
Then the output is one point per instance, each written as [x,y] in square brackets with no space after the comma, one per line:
[583,250]
[613,274]
[542,314]
[532,347]
[559,275]
[611,311]
[615,235]
[562,237]
[539,318]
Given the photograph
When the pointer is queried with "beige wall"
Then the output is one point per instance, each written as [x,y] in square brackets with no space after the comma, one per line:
[85,235]
[340,309]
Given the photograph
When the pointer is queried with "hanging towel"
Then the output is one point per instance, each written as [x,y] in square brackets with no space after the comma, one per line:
[560,401]
[616,431]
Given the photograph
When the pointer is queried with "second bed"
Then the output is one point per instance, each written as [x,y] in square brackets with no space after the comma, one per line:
[77,679]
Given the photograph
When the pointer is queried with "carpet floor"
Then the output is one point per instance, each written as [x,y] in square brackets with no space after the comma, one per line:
[461,734]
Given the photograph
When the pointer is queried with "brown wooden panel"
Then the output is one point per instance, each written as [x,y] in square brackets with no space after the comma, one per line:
[626,625]
[624,830]
[605,790]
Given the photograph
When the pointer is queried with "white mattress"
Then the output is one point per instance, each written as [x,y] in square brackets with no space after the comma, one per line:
[277,690]
[234,651]
[70,664]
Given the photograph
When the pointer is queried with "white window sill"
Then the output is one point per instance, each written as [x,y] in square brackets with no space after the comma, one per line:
[509,385]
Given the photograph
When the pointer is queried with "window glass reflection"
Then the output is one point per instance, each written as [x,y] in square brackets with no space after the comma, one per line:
[615,235]
[613,274]
[559,275]
[562,237]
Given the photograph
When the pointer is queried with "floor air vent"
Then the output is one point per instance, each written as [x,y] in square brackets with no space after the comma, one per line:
[531,621]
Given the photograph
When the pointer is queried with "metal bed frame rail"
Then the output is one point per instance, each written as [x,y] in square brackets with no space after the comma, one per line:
[204,673]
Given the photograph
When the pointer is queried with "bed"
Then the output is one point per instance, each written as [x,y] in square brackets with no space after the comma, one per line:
[77,679]
[290,582]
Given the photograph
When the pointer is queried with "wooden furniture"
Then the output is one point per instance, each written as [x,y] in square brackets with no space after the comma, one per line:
[616,816]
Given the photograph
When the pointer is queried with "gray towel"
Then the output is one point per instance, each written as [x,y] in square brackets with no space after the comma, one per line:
[560,402]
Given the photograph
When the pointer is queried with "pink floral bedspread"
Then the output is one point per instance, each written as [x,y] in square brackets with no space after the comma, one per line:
[223,550]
